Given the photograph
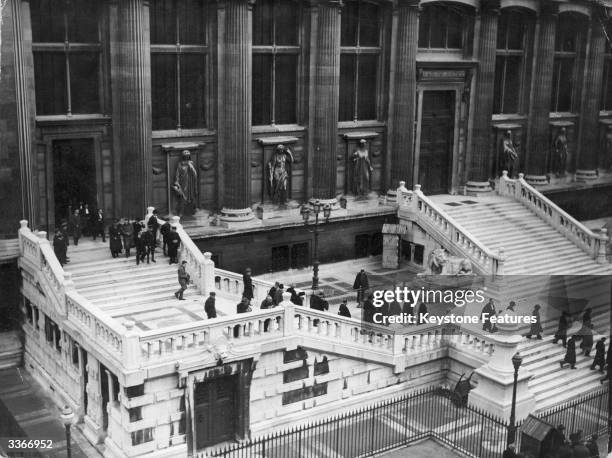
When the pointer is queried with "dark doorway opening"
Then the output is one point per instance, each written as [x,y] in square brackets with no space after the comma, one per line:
[362,245]
[215,404]
[436,143]
[85,378]
[300,255]
[74,175]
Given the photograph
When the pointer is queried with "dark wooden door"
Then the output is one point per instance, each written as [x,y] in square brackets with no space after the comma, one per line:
[436,146]
[215,404]
[74,176]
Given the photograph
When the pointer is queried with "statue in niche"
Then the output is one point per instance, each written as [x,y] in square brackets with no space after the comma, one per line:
[607,160]
[278,172]
[510,154]
[560,152]
[362,170]
[186,185]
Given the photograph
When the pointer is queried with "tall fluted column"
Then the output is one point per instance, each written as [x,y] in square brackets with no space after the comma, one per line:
[539,141]
[324,99]
[131,72]
[483,102]
[589,118]
[234,129]
[405,29]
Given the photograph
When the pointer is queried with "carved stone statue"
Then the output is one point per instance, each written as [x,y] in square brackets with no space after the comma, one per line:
[362,169]
[186,185]
[608,149]
[510,154]
[440,263]
[560,152]
[278,172]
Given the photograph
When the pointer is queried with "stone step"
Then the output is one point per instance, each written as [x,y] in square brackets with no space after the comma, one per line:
[534,261]
[123,272]
[136,284]
[546,380]
[153,296]
[566,395]
[573,378]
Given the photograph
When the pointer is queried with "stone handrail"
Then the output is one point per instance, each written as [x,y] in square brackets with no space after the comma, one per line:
[442,226]
[584,238]
[247,328]
[199,265]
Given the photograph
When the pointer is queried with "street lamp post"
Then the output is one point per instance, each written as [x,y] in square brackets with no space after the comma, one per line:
[610,387]
[67,415]
[517,360]
[306,212]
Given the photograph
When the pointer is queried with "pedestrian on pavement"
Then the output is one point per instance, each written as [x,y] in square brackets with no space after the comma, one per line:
[174,242]
[65,232]
[136,228]
[267,303]
[248,284]
[510,452]
[587,339]
[344,310]
[570,354]
[141,247]
[85,215]
[368,309]
[295,297]
[153,225]
[74,224]
[561,333]
[183,279]
[272,292]
[114,239]
[209,306]
[592,446]
[98,225]
[600,355]
[244,305]
[149,245]
[59,247]
[536,325]
[361,284]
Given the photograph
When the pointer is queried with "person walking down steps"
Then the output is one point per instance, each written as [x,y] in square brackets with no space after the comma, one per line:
[183,279]
[570,354]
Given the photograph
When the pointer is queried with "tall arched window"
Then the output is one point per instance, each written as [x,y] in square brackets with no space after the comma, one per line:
[510,62]
[276,52]
[569,47]
[67,46]
[179,52]
[445,26]
[359,60]
[606,93]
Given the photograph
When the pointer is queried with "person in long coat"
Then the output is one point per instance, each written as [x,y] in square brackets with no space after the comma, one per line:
[114,235]
[59,247]
[600,355]
[209,306]
[164,230]
[561,333]
[344,311]
[570,354]
[368,309]
[587,339]
[98,225]
[74,224]
[174,242]
[127,235]
[361,284]
[487,312]
[536,327]
[248,284]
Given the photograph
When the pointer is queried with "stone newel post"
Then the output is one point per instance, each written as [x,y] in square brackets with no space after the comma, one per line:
[496,378]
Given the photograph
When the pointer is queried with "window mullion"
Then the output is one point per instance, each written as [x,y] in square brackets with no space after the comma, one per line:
[273,92]
[356,86]
[178,88]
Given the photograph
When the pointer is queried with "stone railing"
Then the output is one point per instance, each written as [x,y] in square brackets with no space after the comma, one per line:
[246,328]
[442,227]
[590,242]
[200,266]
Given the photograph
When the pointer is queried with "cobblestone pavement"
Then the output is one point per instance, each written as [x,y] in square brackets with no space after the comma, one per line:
[26,410]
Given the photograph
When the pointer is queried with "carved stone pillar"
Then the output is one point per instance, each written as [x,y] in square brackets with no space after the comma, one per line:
[131,83]
[323,108]
[478,172]
[402,97]
[538,143]
[589,118]
[235,101]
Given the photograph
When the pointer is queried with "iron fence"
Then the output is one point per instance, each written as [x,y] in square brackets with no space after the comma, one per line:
[588,413]
[381,427]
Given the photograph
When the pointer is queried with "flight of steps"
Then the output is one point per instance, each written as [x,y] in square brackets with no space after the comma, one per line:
[535,253]
[122,289]
[531,246]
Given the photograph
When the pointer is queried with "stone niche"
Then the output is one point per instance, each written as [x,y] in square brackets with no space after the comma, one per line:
[498,162]
[173,152]
[570,131]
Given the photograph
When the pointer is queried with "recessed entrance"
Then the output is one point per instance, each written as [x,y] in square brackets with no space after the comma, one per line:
[436,141]
[215,405]
[74,175]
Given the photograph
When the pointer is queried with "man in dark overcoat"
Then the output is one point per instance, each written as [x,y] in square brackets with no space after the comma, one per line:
[174,242]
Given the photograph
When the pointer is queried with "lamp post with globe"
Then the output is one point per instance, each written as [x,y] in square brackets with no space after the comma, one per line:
[317,207]
[67,415]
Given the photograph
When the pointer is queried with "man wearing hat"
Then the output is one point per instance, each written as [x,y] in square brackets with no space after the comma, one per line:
[174,242]
[209,306]
[248,284]
[600,355]
[183,278]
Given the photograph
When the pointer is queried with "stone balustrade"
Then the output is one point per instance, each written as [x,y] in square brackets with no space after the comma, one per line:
[416,206]
[590,242]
